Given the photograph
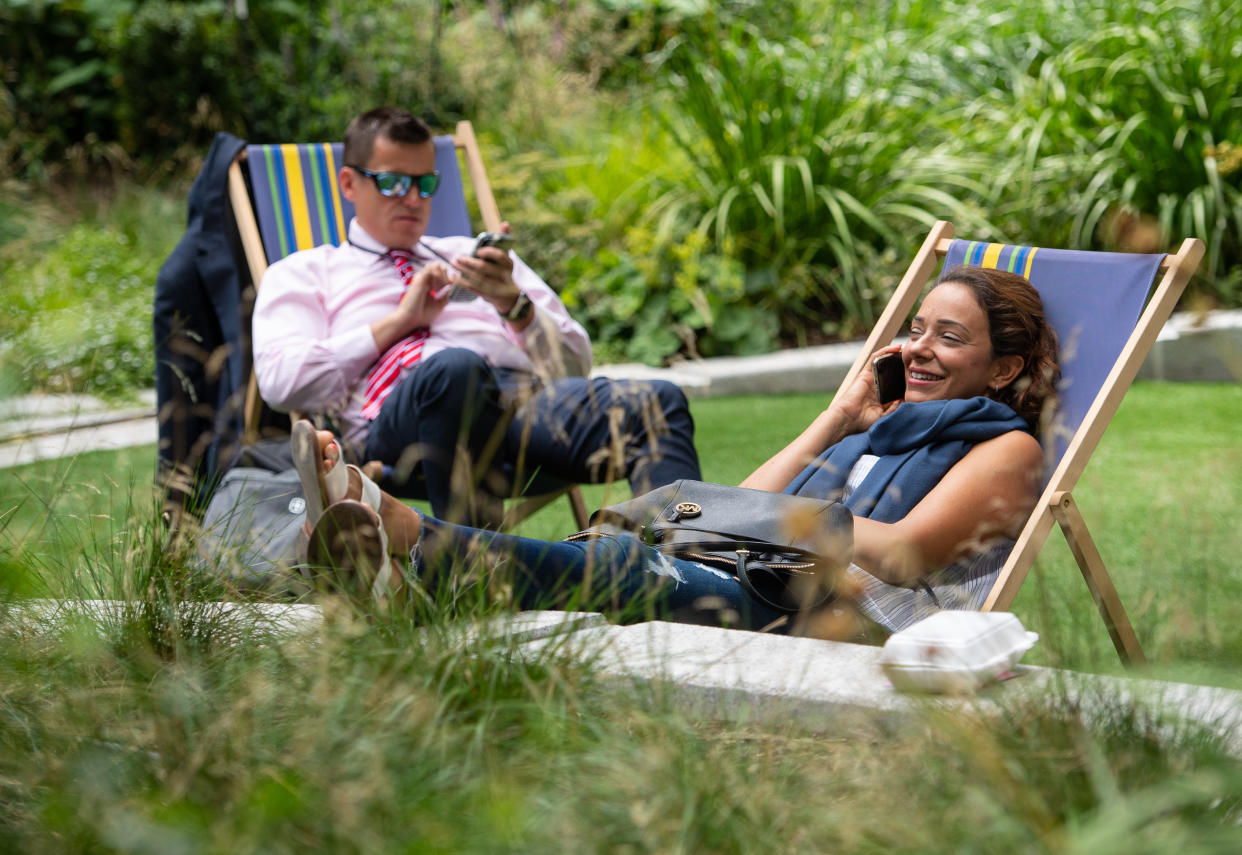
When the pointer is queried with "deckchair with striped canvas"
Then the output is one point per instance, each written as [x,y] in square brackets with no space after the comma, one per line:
[297,203]
[292,202]
[1107,309]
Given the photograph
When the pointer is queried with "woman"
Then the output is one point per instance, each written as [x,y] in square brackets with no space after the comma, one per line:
[939,482]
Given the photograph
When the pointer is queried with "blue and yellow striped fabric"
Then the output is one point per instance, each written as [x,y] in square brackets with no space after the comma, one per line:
[297,197]
[298,200]
[999,256]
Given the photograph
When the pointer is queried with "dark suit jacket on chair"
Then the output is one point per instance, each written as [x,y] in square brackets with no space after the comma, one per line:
[199,337]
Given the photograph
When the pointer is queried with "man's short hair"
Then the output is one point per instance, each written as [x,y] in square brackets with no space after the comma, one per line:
[391,123]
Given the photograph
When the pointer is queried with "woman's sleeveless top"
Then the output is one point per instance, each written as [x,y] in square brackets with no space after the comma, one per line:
[962,585]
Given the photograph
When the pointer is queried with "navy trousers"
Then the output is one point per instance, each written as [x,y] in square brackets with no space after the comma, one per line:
[501,426]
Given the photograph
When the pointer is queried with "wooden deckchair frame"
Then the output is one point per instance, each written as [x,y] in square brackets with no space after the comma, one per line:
[467,146]
[1057,504]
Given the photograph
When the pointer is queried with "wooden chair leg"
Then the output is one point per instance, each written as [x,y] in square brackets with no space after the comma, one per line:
[254,411]
[527,507]
[578,504]
[1098,581]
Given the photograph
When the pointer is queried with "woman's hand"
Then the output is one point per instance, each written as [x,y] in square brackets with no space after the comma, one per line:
[853,411]
[857,407]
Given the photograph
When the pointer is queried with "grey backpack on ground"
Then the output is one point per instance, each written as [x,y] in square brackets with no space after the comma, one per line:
[252,531]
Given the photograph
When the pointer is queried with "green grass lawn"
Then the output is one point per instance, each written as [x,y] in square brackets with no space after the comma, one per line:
[1160,495]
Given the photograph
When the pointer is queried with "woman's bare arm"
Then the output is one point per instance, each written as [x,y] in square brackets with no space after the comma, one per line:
[851,412]
[987,495]
[829,427]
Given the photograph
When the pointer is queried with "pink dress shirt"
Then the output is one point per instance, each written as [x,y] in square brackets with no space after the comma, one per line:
[313,347]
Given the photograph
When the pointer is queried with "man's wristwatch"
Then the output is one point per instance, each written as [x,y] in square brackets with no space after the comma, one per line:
[522,307]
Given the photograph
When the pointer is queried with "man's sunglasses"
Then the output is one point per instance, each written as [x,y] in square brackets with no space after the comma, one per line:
[398,183]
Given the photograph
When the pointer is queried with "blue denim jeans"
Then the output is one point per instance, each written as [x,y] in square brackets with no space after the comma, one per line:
[618,575]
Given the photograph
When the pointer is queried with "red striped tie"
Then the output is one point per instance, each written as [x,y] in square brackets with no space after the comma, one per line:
[387,371]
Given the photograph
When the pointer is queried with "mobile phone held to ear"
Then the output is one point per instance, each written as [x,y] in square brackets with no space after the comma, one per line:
[889,373]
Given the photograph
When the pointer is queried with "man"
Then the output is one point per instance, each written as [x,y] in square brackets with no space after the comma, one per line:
[374,333]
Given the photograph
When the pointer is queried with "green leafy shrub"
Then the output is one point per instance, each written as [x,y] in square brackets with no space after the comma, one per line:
[1105,125]
[649,305]
[757,171]
[1167,86]
[57,85]
[78,318]
[647,288]
[150,83]
[804,164]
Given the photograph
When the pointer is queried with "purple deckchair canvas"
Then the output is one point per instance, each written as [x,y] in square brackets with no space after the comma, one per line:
[1093,301]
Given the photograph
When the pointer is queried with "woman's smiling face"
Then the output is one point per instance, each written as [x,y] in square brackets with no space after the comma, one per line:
[949,354]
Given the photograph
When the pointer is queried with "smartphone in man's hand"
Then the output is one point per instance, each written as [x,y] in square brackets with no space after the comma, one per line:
[500,240]
[461,294]
[889,373]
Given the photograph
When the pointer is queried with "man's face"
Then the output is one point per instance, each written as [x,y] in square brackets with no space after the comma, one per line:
[396,222]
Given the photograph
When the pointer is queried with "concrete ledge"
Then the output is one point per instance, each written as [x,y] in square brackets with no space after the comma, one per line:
[1197,347]
[808,369]
[720,674]
[82,440]
[1191,347]
[532,627]
[274,618]
[732,675]
[47,427]
[38,415]
[286,619]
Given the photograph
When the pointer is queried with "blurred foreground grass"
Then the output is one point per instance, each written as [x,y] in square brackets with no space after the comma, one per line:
[382,736]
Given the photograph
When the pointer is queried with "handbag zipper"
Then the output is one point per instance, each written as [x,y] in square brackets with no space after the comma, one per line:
[731,565]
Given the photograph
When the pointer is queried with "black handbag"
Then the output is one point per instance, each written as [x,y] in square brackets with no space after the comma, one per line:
[787,551]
